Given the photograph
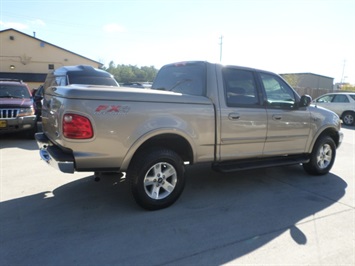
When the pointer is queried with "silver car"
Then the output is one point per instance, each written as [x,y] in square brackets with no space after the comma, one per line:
[342,103]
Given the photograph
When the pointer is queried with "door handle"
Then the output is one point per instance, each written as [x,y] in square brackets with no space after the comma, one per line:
[233,116]
[276,117]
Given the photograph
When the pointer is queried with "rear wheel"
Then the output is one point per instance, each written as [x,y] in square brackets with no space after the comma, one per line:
[348,118]
[156,178]
[322,157]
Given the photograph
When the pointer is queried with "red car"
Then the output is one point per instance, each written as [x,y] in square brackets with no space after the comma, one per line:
[17,113]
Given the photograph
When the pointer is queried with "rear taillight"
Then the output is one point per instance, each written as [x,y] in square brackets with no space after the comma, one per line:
[77,127]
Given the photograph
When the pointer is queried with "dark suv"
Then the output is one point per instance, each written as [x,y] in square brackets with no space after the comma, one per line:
[17,111]
[68,75]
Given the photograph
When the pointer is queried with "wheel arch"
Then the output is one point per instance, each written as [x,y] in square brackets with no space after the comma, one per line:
[178,143]
[347,111]
[331,132]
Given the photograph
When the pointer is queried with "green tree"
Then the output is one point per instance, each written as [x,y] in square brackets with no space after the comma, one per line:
[126,74]
[150,72]
[348,87]
[291,79]
[130,73]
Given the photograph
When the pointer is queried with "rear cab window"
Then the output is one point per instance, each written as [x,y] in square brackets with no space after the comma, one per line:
[186,78]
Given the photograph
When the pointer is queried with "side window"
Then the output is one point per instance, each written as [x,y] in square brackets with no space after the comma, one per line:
[340,99]
[53,80]
[60,81]
[279,94]
[240,87]
[325,99]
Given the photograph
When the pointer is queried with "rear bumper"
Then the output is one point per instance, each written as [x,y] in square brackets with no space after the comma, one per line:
[53,155]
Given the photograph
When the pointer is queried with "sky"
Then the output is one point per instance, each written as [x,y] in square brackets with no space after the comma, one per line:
[282,36]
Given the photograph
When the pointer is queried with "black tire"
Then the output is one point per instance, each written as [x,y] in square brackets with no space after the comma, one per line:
[322,157]
[348,118]
[156,178]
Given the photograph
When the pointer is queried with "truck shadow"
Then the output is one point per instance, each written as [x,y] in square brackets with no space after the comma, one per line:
[86,222]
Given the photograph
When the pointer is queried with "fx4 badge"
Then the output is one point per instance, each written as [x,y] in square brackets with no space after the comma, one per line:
[112,109]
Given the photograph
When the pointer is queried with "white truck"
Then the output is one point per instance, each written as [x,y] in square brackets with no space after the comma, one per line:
[195,112]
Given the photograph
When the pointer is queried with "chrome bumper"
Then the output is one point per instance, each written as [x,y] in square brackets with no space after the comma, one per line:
[53,155]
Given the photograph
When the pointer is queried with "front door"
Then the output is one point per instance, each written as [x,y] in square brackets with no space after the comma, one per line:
[288,126]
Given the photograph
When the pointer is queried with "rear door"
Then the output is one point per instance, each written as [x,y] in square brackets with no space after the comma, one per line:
[243,117]
[288,126]
[340,103]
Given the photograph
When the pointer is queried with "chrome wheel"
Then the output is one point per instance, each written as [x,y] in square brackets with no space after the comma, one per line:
[348,118]
[160,180]
[324,156]
[156,177]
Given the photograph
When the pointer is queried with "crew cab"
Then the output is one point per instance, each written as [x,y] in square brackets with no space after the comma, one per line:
[232,117]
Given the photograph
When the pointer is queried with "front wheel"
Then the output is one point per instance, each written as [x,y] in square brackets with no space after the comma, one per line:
[322,157]
[156,178]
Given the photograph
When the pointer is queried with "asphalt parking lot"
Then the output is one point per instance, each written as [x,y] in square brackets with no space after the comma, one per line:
[274,216]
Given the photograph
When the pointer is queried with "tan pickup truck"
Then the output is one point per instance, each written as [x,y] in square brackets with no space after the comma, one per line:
[232,117]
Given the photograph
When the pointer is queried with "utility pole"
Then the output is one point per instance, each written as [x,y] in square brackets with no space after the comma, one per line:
[342,75]
[220,48]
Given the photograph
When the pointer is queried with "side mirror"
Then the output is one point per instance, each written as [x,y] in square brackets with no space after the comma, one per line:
[305,101]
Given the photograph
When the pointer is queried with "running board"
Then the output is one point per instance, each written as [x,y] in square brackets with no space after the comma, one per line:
[245,164]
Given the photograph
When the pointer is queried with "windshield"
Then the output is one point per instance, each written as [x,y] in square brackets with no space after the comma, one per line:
[14,91]
[186,78]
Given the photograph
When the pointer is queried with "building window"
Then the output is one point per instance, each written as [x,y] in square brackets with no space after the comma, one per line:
[51,66]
